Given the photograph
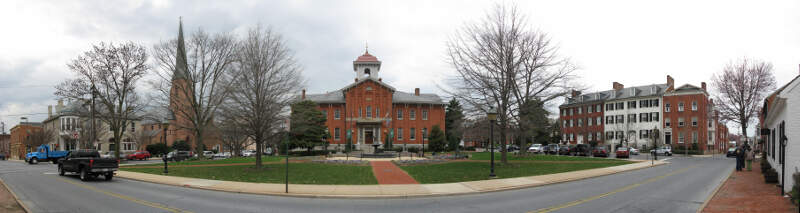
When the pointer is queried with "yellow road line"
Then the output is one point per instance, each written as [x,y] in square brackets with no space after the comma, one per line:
[626,188]
[143,202]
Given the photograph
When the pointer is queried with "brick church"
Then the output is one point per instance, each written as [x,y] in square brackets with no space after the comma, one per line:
[371,109]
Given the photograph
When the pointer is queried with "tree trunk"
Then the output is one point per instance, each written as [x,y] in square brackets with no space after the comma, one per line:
[259,142]
[199,143]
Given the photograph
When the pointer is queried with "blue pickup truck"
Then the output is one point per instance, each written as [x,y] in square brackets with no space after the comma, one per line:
[43,153]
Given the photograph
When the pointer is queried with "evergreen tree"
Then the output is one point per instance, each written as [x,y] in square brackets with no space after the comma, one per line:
[436,139]
[453,122]
[307,125]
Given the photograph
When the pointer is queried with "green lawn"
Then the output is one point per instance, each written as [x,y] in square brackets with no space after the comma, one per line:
[471,171]
[299,173]
[221,161]
[537,157]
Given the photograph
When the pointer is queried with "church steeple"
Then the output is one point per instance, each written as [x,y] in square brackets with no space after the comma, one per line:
[181,67]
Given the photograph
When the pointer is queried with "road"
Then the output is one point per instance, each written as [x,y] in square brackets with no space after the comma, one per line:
[681,186]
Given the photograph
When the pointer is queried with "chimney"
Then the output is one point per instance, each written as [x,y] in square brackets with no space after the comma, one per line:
[49,111]
[304,94]
[618,86]
[703,85]
[416,91]
[575,93]
[670,83]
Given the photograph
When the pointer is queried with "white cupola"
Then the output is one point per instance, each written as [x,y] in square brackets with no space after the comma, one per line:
[367,66]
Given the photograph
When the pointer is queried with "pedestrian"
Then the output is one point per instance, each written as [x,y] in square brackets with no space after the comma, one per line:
[739,154]
[749,158]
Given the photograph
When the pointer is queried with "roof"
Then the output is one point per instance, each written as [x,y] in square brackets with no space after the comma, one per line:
[423,98]
[181,67]
[612,95]
[337,97]
[366,58]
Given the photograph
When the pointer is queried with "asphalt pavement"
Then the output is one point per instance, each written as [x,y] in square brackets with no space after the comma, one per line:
[681,186]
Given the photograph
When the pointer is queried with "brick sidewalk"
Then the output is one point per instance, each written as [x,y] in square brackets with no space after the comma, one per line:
[388,173]
[7,201]
[746,192]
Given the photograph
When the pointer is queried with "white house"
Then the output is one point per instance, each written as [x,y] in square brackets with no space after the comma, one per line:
[632,113]
[781,112]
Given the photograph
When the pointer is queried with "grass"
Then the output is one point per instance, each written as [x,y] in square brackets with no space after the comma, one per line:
[221,161]
[299,173]
[471,171]
[537,157]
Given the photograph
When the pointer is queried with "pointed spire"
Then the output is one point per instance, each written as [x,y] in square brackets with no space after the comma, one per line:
[181,68]
[366,47]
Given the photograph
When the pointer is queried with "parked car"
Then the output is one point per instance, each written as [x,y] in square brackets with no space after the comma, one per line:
[206,154]
[564,150]
[2,156]
[43,153]
[633,151]
[178,155]
[88,164]
[221,155]
[731,152]
[662,151]
[143,155]
[600,151]
[109,154]
[248,153]
[551,149]
[580,150]
[511,148]
[535,148]
[623,152]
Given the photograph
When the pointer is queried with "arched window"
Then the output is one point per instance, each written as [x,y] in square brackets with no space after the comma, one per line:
[367,72]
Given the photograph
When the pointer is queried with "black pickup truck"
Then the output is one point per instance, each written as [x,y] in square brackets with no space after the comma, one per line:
[88,164]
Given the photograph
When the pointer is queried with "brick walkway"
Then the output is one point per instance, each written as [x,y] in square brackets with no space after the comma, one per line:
[8,203]
[388,173]
[746,192]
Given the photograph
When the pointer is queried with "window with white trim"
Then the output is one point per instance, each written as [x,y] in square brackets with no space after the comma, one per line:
[412,134]
[412,114]
[424,114]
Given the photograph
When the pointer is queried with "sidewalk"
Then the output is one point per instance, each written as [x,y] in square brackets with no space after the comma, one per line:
[8,201]
[746,192]
[388,173]
[384,190]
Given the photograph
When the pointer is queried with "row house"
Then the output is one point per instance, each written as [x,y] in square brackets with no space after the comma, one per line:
[780,129]
[689,121]
[20,134]
[632,116]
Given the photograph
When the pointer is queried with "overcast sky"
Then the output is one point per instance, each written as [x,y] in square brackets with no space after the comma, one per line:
[632,42]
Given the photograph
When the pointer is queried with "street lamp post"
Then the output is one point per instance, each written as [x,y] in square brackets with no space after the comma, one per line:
[492,116]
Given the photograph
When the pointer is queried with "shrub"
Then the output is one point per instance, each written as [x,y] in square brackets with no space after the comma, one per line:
[181,145]
[311,153]
[413,149]
[158,149]
[471,148]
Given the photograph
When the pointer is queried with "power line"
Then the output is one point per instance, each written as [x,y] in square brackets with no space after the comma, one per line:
[25,86]
[13,115]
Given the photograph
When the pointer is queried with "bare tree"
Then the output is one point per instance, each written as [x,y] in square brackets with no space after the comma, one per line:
[40,136]
[85,133]
[193,80]
[113,70]
[233,136]
[501,62]
[265,79]
[740,89]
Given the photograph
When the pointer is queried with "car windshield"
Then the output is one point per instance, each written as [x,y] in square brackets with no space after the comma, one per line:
[732,149]
[622,149]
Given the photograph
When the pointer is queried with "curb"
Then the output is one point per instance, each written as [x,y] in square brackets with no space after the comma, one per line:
[24,207]
[429,194]
[708,199]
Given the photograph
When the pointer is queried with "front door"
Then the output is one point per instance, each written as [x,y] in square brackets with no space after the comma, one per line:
[668,139]
[368,137]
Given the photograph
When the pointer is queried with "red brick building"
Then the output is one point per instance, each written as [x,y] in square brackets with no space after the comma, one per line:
[370,109]
[582,119]
[19,134]
[689,119]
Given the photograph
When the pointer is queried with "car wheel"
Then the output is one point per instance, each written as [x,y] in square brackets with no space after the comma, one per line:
[84,175]
[109,175]
[60,171]
[34,161]
[55,161]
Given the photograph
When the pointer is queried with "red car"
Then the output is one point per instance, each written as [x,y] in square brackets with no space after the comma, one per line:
[144,155]
[623,152]
[600,151]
